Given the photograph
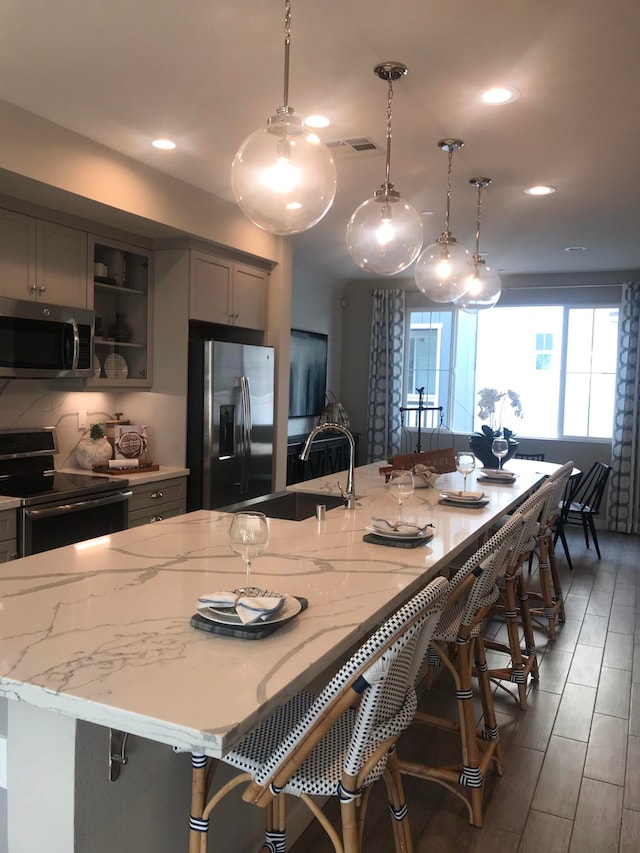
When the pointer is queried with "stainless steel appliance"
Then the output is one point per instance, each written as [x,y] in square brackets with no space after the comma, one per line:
[230,423]
[56,509]
[44,341]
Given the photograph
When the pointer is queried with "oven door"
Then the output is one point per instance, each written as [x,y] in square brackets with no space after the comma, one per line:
[51,526]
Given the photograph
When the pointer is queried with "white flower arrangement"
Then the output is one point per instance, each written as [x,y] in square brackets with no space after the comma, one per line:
[491,408]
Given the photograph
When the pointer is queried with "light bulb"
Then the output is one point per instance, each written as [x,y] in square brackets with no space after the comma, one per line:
[384,234]
[442,269]
[283,176]
[483,289]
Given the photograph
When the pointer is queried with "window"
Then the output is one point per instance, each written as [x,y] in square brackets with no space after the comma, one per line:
[561,360]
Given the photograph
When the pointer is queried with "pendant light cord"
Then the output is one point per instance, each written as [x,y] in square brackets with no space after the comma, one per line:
[387,184]
[287,45]
[476,256]
[448,208]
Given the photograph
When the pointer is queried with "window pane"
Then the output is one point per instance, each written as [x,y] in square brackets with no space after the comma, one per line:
[509,343]
[429,361]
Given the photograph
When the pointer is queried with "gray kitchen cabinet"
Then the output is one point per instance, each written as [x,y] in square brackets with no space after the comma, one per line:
[156,501]
[8,535]
[226,291]
[122,300]
[42,261]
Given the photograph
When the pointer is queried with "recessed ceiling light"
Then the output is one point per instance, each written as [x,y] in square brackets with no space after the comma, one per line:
[540,190]
[164,144]
[427,212]
[575,248]
[500,95]
[317,121]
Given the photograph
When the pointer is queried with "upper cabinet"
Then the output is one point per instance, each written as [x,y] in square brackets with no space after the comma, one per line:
[122,301]
[225,291]
[42,261]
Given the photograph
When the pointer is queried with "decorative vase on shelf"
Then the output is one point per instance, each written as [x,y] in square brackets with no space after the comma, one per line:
[119,330]
[93,449]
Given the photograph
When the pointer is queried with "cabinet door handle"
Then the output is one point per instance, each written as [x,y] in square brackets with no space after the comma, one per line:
[157,494]
[13,556]
[42,289]
[155,518]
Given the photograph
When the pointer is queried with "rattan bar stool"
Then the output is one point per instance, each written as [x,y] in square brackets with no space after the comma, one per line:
[513,603]
[337,743]
[550,611]
[458,645]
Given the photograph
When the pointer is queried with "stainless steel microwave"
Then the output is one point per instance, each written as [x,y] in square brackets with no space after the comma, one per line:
[39,341]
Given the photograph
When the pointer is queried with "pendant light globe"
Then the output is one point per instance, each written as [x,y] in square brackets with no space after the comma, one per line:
[384,234]
[483,289]
[483,286]
[283,177]
[443,267]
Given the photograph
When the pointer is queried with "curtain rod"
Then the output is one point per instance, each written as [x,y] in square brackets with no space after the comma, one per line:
[560,286]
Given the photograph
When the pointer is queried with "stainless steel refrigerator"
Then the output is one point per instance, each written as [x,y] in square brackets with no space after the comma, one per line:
[230,411]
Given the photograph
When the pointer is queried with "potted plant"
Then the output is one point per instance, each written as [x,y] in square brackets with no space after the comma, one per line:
[93,449]
[491,408]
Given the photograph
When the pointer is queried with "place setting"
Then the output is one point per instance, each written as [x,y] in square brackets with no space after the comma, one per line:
[400,533]
[499,448]
[249,612]
[465,465]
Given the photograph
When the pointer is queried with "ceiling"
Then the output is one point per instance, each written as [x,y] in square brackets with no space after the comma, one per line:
[206,74]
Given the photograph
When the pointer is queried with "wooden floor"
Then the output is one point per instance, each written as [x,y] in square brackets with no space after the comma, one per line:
[572,760]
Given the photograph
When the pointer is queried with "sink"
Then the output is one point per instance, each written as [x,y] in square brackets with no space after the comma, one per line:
[293,506]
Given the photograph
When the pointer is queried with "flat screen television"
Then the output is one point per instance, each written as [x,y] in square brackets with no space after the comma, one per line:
[307,374]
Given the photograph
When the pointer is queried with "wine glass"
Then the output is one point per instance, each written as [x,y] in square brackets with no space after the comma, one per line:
[465,464]
[499,448]
[400,485]
[248,537]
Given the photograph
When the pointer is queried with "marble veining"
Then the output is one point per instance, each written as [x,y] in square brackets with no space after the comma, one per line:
[102,632]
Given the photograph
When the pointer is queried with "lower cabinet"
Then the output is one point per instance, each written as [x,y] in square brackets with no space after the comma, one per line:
[327,455]
[8,534]
[156,501]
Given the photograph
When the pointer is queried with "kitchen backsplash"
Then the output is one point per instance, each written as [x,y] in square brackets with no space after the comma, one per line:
[35,403]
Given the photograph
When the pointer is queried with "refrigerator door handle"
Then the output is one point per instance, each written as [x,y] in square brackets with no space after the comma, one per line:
[245,396]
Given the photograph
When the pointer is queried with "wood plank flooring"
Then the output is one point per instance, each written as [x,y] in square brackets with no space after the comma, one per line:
[571,780]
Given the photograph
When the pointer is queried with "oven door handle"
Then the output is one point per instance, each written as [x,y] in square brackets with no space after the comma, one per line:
[76,506]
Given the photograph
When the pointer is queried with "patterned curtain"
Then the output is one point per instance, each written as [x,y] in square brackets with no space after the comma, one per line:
[385,374]
[624,489]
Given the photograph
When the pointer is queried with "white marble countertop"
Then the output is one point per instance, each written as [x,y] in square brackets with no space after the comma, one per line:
[9,503]
[102,632]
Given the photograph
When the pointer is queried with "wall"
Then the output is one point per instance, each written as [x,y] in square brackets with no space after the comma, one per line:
[315,307]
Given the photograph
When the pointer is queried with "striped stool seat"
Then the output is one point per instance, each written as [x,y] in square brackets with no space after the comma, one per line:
[337,743]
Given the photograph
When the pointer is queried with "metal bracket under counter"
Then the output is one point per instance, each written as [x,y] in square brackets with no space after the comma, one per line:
[117,753]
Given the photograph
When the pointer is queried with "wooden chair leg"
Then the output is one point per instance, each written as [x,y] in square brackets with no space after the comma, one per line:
[350,832]
[397,805]
[522,594]
[199,788]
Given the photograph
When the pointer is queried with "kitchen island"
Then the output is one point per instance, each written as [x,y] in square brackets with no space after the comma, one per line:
[100,633]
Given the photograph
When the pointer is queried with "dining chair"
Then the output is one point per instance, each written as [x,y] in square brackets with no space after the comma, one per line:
[534,457]
[551,609]
[337,743]
[457,644]
[513,604]
[582,506]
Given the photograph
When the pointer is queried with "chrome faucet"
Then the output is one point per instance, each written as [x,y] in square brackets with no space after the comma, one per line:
[350,494]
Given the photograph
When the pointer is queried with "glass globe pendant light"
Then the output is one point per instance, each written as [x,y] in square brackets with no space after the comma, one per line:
[384,234]
[483,285]
[442,268]
[283,177]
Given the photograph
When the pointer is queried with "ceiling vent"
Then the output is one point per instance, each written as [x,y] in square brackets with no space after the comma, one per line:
[360,146]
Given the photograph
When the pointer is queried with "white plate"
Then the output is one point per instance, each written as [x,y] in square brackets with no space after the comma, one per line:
[469,504]
[115,367]
[395,534]
[289,609]
[491,479]
[97,367]
[498,473]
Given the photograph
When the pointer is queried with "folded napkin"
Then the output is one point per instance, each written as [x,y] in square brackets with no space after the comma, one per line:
[403,528]
[249,608]
[498,473]
[462,496]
